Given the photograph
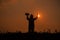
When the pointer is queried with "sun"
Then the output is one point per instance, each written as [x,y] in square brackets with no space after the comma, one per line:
[38,15]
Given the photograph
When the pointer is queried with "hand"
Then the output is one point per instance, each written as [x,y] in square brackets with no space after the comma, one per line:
[27,14]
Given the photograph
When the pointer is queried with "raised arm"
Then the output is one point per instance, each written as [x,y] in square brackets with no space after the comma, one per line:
[35,18]
[27,18]
[27,14]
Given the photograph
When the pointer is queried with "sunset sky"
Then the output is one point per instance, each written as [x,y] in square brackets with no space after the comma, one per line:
[12,15]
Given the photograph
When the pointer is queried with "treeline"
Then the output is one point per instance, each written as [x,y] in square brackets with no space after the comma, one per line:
[29,36]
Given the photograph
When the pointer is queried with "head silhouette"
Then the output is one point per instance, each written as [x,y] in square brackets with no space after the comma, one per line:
[31,16]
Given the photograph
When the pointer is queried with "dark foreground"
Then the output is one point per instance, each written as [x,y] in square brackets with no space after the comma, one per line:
[30,36]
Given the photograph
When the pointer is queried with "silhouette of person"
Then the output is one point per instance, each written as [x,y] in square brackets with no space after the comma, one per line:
[31,22]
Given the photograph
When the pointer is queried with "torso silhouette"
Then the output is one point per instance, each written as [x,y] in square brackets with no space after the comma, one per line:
[31,23]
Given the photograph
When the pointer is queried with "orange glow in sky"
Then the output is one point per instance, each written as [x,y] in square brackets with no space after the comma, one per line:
[38,15]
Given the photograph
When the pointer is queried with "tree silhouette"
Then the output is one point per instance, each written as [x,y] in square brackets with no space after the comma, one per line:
[55,30]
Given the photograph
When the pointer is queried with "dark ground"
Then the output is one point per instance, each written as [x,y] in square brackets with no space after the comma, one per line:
[29,36]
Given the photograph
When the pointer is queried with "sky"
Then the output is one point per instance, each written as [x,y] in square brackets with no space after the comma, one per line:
[13,19]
